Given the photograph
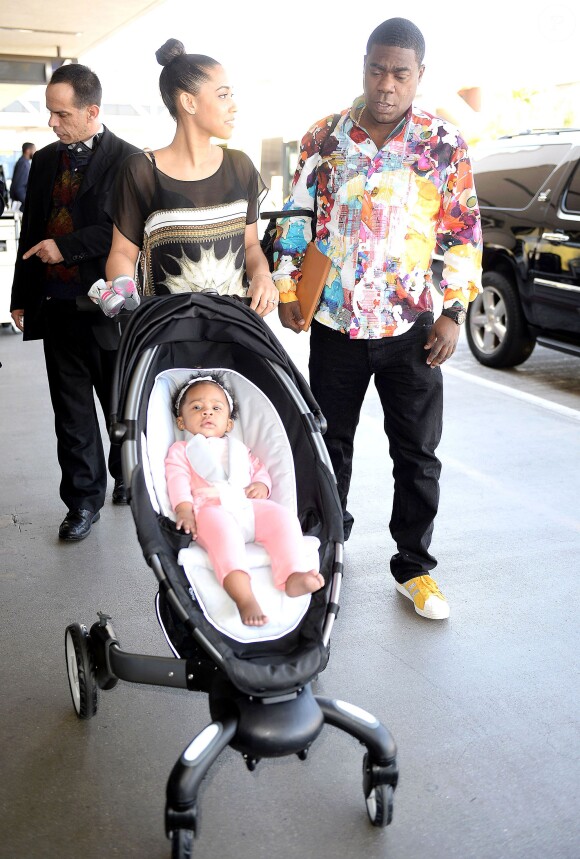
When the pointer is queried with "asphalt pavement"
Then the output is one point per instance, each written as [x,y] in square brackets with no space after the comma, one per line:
[483,707]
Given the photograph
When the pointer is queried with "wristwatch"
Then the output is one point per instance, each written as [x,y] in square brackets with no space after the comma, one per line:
[458,314]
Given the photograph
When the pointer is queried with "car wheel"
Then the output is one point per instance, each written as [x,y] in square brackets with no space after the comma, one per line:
[497,332]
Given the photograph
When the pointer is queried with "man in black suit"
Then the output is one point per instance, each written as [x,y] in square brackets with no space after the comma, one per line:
[64,243]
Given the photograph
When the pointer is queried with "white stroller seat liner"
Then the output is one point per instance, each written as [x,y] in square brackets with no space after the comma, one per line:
[260,428]
[284,613]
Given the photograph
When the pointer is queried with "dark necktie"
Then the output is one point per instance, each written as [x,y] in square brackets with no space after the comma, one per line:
[80,153]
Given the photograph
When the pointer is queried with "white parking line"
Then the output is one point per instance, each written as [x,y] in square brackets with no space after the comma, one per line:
[506,494]
[513,392]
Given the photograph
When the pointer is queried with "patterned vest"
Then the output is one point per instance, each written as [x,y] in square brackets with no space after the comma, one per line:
[64,281]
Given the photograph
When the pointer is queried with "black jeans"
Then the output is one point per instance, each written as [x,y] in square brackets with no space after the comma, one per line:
[411,395]
[77,367]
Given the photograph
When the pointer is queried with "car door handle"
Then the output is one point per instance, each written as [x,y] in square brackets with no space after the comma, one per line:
[556,237]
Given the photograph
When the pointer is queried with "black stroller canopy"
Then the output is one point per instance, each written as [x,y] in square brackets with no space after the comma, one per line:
[196,324]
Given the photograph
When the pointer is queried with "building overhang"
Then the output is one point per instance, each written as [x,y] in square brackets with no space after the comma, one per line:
[36,37]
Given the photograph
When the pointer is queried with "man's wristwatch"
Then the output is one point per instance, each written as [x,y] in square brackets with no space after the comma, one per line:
[456,313]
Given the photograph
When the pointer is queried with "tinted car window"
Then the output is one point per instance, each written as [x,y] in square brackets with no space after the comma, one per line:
[572,196]
[511,179]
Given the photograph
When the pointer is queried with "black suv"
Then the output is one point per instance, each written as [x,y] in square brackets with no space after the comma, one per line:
[528,187]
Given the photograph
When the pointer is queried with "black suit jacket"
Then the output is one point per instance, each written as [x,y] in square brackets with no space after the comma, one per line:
[87,246]
[20,179]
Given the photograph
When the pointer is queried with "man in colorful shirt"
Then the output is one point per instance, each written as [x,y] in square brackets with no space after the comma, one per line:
[390,183]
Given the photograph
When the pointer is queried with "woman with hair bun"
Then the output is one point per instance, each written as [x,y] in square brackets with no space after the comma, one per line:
[189,211]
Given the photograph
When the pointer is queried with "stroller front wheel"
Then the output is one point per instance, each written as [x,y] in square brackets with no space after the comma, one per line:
[181,844]
[379,793]
[80,666]
[380,805]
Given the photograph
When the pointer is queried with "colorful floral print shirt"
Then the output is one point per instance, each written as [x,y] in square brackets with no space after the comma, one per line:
[380,215]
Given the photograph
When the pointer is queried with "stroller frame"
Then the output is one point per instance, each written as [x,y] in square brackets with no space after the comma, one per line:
[258,721]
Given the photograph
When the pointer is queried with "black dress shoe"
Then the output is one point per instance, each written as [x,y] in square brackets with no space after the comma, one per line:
[347,523]
[119,492]
[76,525]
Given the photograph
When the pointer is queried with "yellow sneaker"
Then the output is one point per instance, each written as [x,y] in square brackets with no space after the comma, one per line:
[428,599]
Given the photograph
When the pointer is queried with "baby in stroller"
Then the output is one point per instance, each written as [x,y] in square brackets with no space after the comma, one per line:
[219,494]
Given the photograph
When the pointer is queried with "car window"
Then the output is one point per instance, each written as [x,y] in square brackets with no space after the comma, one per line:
[571,201]
[511,179]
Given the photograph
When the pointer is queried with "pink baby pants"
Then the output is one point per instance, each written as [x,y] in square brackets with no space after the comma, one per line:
[276,528]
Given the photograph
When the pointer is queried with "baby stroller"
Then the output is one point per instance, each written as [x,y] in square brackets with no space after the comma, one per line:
[259,679]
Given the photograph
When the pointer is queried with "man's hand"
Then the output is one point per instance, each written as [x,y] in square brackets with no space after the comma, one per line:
[442,341]
[290,316]
[47,251]
[18,317]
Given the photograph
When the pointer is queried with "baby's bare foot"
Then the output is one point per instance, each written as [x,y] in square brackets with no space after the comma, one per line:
[298,584]
[251,613]
[238,586]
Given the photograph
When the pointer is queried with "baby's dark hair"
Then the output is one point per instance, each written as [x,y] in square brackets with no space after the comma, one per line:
[204,376]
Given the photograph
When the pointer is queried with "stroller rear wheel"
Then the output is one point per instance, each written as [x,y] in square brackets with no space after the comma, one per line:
[181,844]
[80,666]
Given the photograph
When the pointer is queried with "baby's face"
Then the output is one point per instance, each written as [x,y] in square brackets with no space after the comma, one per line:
[205,411]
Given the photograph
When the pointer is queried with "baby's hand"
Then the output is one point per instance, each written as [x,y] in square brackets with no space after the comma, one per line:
[186,520]
[256,490]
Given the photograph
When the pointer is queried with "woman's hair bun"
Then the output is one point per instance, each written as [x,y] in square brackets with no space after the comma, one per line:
[168,52]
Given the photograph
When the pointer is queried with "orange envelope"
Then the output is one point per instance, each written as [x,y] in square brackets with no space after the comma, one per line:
[315,268]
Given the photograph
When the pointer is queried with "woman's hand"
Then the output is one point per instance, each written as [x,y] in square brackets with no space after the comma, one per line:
[264,294]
